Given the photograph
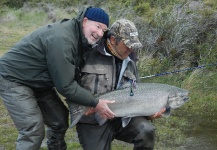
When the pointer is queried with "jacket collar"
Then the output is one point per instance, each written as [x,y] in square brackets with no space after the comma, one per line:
[79,19]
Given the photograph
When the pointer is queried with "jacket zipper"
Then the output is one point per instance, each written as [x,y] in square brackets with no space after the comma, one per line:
[96,84]
[113,73]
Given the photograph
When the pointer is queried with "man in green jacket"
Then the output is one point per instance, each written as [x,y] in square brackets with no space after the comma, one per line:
[113,69]
[43,62]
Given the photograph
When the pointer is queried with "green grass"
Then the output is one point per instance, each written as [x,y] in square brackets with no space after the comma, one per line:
[171,132]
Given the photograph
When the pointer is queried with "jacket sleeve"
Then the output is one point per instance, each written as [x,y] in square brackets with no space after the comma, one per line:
[61,65]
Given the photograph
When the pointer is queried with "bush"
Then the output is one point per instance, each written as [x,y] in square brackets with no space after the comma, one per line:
[180,36]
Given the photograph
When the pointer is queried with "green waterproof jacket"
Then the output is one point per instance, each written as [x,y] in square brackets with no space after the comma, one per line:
[50,57]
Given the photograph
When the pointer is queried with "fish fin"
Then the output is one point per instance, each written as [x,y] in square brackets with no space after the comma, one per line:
[76,111]
[167,112]
[99,119]
[125,121]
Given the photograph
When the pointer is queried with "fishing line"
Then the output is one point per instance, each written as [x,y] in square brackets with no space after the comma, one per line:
[178,71]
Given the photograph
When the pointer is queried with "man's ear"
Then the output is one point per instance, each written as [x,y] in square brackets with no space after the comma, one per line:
[112,40]
[84,21]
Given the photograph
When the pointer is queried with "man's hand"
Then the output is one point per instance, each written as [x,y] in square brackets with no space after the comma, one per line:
[157,115]
[103,109]
[89,111]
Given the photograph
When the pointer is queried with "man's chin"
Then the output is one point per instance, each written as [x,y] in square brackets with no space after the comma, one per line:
[92,42]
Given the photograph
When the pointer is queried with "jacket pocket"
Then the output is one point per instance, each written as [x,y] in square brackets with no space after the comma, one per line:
[95,79]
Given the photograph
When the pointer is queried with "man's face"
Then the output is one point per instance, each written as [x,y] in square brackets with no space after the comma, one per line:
[93,30]
[122,49]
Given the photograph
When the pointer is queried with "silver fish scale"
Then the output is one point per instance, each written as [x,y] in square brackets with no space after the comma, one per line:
[148,99]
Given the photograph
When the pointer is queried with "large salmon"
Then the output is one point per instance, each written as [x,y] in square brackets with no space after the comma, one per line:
[144,100]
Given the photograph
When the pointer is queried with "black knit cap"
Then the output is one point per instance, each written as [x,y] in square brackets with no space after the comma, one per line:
[97,14]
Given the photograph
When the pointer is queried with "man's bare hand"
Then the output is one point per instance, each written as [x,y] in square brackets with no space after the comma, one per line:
[103,109]
[89,111]
[157,115]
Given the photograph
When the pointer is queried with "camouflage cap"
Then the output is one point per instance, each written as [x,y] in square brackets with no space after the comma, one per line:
[126,30]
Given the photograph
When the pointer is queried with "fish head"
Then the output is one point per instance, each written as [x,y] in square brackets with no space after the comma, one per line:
[178,98]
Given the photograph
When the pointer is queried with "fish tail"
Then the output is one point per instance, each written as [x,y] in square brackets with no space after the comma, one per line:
[76,111]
